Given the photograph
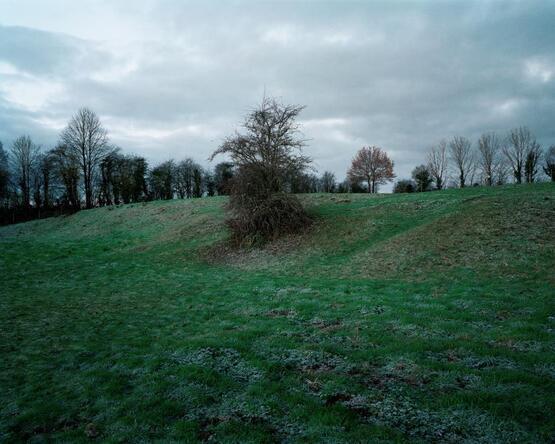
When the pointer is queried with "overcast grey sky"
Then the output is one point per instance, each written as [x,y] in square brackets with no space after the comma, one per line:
[172,78]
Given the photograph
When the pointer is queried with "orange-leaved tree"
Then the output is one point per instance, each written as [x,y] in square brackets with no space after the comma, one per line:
[371,165]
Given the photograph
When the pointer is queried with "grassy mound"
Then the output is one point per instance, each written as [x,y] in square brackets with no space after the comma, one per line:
[395,318]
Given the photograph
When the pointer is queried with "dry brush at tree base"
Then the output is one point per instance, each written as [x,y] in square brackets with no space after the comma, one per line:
[254,221]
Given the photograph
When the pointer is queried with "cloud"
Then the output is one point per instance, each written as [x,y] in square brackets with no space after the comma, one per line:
[171,79]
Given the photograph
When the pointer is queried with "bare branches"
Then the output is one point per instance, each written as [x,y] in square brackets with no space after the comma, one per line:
[489,148]
[461,154]
[87,139]
[437,163]
[516,148]
[265,156]
[24,157]
[271,144]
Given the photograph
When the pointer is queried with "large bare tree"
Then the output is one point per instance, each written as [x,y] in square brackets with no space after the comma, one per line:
[266,155]
[371,165]
[270,147]
[437,163]
[24,158]
[461,154]
[87,139]
[489,147]
[516,148]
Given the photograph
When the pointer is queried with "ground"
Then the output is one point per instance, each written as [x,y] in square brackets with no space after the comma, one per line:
[426,317]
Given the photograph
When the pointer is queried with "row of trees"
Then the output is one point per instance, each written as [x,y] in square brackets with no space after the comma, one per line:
[85,170]
[492,160]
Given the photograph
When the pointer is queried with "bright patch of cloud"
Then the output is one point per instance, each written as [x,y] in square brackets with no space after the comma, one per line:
[539,70]
[31,94]
[8,69]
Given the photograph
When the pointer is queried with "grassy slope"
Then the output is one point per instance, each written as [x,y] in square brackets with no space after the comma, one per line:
[401,317]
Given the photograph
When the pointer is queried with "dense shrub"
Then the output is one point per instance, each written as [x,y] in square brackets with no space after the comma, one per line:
[266,156]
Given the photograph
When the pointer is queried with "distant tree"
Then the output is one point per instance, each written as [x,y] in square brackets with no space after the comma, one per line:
[223,174]
[404,186]
[372,165]
[185,178]
[108,194]
[161,180]
[4,176]
[462,157]
[437,164]
[518,144]
[266,155]
[140,171]
[489,148]
[328,182]
[197,181]
[36,180]
[24,158]
[87,139]
[304,183]
[209,183]
[66,167]
[549,166]
[502,172]
[355,186]
[422,178]
[532,161]
[344,187]
[46,167]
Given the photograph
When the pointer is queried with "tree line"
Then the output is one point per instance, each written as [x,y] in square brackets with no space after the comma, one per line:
[516,157]
[85,170]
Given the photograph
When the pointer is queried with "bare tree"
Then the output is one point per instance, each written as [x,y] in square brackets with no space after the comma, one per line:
[185,178]
[549,167]
[372,165]
[437,163]
[271,145]
[328,182]
[162,180]
[532,162]
[24,158]
[66,167]
[46,169]
[516,149]
[87,139]
[265,155]
[502,171]
[462,156]
[489,148]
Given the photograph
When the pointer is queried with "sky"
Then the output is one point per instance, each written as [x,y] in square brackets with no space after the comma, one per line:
[171,79]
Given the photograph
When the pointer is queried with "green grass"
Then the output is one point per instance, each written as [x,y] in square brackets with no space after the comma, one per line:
[424,317]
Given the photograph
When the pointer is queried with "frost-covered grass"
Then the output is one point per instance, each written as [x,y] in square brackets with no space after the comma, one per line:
[396,318]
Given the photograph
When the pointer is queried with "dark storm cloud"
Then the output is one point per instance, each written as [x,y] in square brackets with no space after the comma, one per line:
[171,79]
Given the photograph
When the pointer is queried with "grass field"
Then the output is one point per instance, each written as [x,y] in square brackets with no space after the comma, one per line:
[426,317]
